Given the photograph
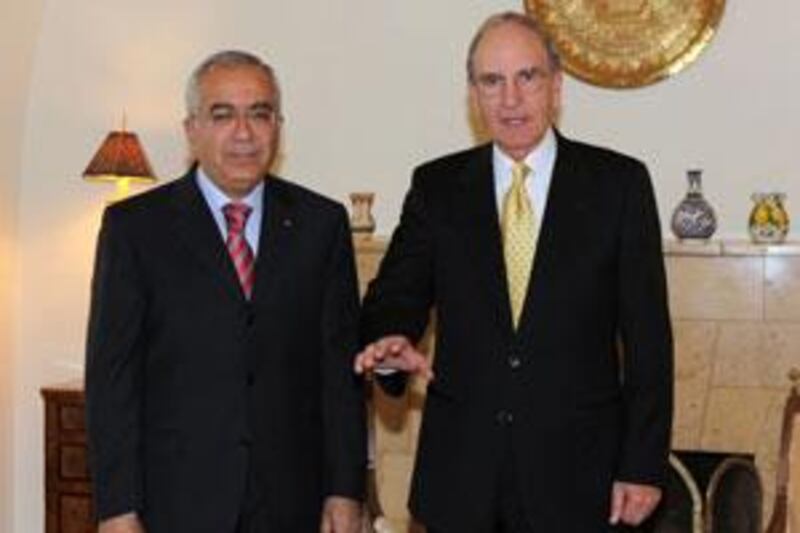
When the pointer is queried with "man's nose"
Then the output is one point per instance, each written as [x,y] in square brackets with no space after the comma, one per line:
[511,94]
[242,127]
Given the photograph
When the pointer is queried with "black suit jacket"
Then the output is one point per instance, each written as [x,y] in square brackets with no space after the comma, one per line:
[577,414]
[189,385]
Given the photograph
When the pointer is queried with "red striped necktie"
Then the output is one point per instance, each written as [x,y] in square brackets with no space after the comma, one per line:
[242,255]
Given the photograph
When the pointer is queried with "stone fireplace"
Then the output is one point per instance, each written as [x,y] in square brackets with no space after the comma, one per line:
[736,316]
[709,492]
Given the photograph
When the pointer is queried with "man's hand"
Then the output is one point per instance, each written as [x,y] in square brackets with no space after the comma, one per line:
[631,503]
[340,515]
[393,352]
[124,523]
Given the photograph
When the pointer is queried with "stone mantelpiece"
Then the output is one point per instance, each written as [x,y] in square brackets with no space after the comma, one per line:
[729,248]
[736,316]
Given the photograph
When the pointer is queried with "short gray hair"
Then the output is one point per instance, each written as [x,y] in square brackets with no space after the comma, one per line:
[225,59]
[511,17]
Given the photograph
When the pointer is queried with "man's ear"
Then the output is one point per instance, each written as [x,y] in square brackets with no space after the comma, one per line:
[475,118]
[189,129]
[188,125]
[472,95]
[557,88]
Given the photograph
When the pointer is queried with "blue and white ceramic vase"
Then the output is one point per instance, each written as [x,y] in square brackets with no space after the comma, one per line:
[694,217]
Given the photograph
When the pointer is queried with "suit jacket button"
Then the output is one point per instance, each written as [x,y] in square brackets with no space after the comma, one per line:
[514,362]
[505,418]
[248,314]
[251,379]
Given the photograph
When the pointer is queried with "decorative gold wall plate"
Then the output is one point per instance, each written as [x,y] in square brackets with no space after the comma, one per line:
[627,43]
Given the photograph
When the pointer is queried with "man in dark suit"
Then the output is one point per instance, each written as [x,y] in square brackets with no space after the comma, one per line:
[541,256]
[224,316]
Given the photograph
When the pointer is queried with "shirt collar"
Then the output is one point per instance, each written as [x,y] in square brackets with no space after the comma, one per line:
[540,160]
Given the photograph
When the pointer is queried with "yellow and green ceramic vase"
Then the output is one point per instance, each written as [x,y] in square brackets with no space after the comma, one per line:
[769,221]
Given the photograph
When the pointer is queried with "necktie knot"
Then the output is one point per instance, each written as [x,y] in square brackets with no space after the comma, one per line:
[519,172]
[518,192]
[236,215]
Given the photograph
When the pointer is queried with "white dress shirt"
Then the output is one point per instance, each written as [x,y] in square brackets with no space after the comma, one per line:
[541,162]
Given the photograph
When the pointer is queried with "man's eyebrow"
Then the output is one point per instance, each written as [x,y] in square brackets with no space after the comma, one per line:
[533,68]
[489,75]
[220,106]
[528,69]
[263,105]
[256,106]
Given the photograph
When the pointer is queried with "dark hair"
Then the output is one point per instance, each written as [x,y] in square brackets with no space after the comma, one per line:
[511,17]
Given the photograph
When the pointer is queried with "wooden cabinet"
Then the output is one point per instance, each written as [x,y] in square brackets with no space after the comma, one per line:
[68,493]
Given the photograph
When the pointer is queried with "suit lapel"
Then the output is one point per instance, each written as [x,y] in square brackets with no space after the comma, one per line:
[277,226]
[563,196]
[485,238]
[197,230]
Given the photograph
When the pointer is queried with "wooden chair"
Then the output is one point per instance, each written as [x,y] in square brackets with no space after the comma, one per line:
[785,513]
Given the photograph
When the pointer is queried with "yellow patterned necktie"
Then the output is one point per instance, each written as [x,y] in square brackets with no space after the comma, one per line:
[519,238]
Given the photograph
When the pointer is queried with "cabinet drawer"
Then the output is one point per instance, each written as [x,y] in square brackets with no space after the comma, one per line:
[72,462]
[75,514]
[72,418]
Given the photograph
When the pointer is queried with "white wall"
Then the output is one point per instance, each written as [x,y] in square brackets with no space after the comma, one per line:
[734,114]
[371,88]
[18,32]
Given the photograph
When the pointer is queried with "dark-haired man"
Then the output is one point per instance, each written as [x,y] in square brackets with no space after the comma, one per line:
[539,253]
